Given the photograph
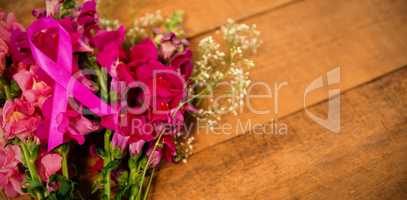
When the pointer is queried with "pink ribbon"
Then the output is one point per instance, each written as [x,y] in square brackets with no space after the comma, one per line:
[61,73]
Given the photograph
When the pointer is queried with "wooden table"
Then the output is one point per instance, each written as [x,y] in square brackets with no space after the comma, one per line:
[303,39]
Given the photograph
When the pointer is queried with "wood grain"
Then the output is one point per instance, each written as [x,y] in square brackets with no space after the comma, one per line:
[302,41]
[200,17]
[366,160]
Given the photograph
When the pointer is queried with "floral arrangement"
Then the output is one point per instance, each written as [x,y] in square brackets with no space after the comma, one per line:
[90,110]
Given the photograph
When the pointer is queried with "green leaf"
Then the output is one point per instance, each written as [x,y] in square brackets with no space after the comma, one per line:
[111,166]
[14,141]
[123,178]
[97,185]
[101,152]
[66,187]
[116,153]
[15,90]
[67,8]
[174,21]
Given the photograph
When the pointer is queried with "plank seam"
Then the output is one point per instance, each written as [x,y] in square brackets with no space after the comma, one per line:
[245,18]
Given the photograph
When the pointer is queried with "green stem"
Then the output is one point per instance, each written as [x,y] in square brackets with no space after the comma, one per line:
[65,171]
[137,195]
[64,153]
[30,164]
[146,166]
[149,184]
[7,92]
[102,79]
[107,160]
[134,166]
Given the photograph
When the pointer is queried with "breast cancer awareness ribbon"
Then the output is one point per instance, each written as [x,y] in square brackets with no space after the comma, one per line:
[65,84]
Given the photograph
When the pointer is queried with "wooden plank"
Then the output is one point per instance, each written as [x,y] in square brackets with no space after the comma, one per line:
[22,9]
[366,160]
[200,16]
[366,38]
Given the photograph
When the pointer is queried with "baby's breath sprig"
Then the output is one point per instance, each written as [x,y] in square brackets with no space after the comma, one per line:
[214,66]
[144,27]
[109,24]
[151,24]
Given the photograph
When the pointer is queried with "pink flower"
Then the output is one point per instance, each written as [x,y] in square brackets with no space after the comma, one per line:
[34,91]
[4,51]
[11,179]
[75,125]
[169,45]
[8,23]
[154,156]
[50,164]
[136,147]
[52,7]
[19,119]
[120,141]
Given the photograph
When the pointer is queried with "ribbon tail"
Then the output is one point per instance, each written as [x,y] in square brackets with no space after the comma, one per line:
[59,106]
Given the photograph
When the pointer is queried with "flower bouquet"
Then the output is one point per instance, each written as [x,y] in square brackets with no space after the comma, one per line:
[90,110]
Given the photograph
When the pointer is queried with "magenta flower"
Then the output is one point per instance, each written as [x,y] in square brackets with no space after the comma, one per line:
[135,126]
[34,91]
[50,164]
[19,47]
[166,86]
[95,161]
[108,44]
[19,119]
[143,52]
[169,148]
[79,42]
[183,63]
[13,34]
[87,18]
[39,12]
[11,179]
[75,125]
[165,83]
